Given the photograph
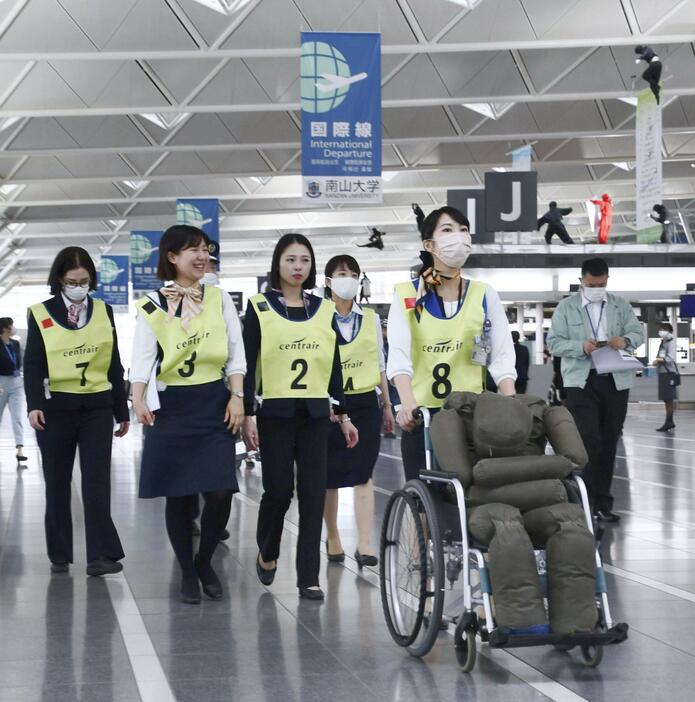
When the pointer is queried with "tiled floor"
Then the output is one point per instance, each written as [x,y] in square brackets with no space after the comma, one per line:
[128,638]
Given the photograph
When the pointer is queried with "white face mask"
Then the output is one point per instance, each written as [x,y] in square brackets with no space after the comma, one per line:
[76,293]
[453,249]
[345,288]
[595,294]
[210,279]
[664,334]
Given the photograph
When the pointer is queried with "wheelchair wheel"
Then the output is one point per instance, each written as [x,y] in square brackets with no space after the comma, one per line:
[435,583]
[403,573]
[592,655]
[465,647]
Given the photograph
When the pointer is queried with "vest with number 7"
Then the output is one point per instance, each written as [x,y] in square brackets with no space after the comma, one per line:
[195,356]
[78,359]
[441,349]
[296,357]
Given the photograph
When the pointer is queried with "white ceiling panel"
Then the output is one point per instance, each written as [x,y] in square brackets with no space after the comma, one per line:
[182,77]
[203,129]
[130,87]
[416,121]
[210,23]
[683,17]
[433,17]
[544,72]
[234,84]
[43,167]
[95,191]
[566,19]
[280,157]
[567,116]
[115,131]
[96,165]
[43,87]
[99,19]
[649,12]
[519,119]
[87,80]
[8,165]
[329,16]
[181,163]
[234,162]
[382,16]
[569,149]
[278,78]
[493,20]
[597,73]
[43,133]
[554,173]
[277,22]
[417,79]
[448,154]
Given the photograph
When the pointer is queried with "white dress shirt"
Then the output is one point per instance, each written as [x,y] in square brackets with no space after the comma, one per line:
[82,318]
[346,330]
[144,355]
[502,360]
[597,315]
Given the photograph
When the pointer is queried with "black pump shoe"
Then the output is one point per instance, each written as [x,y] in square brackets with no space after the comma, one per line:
[667,426]
[309,593]
[607,515]
[365,560]
[212,586]
[266,576]
[334,557]
[190,590]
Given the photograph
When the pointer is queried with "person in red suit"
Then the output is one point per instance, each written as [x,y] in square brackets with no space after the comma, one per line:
[606,206]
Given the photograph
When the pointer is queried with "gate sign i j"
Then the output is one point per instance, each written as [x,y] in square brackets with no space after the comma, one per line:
[341,117]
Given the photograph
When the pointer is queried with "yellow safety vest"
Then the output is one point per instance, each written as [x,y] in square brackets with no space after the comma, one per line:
[441,349]
[360,358]
[78,359]
[195,356]
[296,357]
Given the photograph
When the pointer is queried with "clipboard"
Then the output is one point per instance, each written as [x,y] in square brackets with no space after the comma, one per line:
[609,360]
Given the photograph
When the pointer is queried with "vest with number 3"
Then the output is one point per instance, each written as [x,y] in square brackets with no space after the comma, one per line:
[195,356]
[441,349]
[78,359]
[296,357]
[359,358]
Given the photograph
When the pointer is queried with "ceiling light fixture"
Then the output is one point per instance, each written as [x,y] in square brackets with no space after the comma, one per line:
[224,7]
[491,110]
[468,4]
[624,165]
[165,121]
[135,184]
[629,100]
[7,122]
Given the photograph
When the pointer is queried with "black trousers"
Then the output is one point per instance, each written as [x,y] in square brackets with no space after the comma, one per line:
[284,441]
[90,430]
[560,230]
[413,450]
[599,411]
[520,386]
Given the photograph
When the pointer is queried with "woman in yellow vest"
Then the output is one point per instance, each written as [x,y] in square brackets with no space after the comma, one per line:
[364,370]
[294,369]
[73,380]
[188,358]
[444,330]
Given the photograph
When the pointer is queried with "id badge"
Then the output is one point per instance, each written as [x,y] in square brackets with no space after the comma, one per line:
[480,351]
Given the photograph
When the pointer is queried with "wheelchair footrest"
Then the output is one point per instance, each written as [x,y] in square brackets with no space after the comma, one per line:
[502,637]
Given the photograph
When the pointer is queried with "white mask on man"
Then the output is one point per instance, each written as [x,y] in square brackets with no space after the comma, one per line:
[345,288]
[210,279]
[453,249]
[595,294]
[664,334]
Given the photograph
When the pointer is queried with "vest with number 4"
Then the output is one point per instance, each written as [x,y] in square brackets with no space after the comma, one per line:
[441,349]
[296,357]
[360,358]
[78,359]
[195,356]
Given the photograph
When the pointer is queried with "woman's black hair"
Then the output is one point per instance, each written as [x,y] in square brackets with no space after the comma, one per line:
[175,240]
[6,323]
[342,260]
[429,223]
[666,326]
[68,259]
[284,243]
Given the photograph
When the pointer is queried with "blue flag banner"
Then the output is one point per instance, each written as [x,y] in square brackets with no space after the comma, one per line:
[112,281]
[341,117]
[201,213]
[144,256]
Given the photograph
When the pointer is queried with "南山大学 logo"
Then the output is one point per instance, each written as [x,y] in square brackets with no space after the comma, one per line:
[325,77]
[313,188]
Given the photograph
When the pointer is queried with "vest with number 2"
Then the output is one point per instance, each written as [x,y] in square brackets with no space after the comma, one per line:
[78,359]
[360,358]
[296,357]
[441,349]
[195,356]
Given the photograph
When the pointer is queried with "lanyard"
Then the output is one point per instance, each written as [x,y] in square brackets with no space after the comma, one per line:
[346,320]
[11,354]
[591,324]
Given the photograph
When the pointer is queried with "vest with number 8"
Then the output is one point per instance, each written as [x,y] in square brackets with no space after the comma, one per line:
[296,357]
[441,349]
[195,356]
[360,358]
[78,359]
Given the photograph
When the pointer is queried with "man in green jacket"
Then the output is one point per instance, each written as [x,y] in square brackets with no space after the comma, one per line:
[582,323]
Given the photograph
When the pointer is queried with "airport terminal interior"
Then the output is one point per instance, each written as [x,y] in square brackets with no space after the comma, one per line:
[564,131]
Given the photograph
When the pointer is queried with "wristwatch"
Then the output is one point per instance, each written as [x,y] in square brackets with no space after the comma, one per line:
[344,421]
[235,393]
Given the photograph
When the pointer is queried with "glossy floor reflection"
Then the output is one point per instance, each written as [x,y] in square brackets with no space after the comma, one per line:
[127,637]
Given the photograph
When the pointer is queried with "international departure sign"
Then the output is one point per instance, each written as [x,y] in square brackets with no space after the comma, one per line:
[112,281]
[202,213]
[144,257]
[341,117]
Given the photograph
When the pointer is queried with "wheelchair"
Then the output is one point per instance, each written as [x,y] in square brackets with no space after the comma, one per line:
[425,545]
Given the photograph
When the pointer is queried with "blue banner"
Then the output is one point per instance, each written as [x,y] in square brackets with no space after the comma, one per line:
[201,213]
[112,281]
[144,257]
[341,117]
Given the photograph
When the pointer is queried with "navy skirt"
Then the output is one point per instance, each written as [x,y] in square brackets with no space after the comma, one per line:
[189,449]
[350,467]
[668,390]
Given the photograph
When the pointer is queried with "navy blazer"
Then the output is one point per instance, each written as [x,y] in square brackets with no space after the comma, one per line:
[7,366]
[36,369]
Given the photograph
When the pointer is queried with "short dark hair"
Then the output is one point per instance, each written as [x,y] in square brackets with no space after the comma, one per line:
[175,240]
[284,243]
[68,259]
[515,337]
[552,204]
[666,326]
[429,224]
[6,323]
[594,266]
[341,260]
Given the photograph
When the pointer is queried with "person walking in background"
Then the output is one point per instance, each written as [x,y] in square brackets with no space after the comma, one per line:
[667,373]
[11,387]
[365,289]
[523,361]
[582,323]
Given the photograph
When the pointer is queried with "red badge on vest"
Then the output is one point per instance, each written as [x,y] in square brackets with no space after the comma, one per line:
[410,303]
[46,323]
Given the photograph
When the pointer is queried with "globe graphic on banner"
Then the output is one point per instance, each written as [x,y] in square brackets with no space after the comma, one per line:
[319,58]
[140,249]
[190,214]
[108,270]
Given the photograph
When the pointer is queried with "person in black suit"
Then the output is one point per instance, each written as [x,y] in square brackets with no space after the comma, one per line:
[523,360]
[652,74]
[11,383]
[553,218]
[73,379]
